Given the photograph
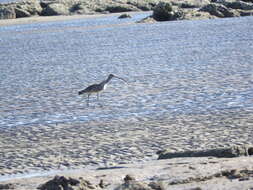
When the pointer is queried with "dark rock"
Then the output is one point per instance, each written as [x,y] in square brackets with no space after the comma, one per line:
[245,13]
[21,13]
[219,1]
[63,183]
[81,8]
[77,7]
[164,11]
[240,5]
[219,10]
[249,1]
[59,183]
[187,5]
[55,9]
[7,12]
[129,178]
[125,16]
[44,4]
[7,186]
[231,152]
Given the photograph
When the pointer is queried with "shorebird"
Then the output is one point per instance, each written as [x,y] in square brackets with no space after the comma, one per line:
[97,88]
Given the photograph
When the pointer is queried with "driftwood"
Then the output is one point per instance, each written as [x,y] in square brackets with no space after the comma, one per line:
[230,152]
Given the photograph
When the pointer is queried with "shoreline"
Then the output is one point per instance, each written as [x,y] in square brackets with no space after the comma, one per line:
[173,174]
[42,19]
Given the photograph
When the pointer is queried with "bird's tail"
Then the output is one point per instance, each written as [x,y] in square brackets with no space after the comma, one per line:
[81,92]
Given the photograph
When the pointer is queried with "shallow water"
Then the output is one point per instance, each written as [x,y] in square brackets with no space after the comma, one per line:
[182,67]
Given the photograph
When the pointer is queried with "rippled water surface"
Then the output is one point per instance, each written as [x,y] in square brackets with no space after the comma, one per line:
[181,67]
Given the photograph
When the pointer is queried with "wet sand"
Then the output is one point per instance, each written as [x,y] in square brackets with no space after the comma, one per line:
[110,142]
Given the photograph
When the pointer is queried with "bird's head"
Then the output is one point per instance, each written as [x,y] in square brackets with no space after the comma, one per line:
[112,75]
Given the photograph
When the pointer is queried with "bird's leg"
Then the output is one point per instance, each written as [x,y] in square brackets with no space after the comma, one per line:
[88,99]
[98,100]
[97,96]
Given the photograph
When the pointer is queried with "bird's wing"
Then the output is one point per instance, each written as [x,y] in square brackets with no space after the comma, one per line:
[90,89]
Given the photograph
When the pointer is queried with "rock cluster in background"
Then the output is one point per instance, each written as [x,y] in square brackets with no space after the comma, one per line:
[162,10]
[230,152]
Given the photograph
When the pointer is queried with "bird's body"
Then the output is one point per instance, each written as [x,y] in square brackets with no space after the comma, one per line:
[97,88]
[94,88]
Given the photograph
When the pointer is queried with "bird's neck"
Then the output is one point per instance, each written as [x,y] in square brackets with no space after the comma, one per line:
[106,81]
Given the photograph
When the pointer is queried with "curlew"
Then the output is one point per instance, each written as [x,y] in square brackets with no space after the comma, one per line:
[97,88]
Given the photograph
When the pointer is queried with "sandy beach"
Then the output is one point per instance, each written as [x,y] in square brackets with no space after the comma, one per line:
[172,174]
[111,143]
[116,142]
[129,144]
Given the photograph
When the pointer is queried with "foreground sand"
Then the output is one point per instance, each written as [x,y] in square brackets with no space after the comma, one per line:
[110,142]
[172,174]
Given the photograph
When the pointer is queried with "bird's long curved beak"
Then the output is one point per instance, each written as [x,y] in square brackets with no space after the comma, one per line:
[121,79]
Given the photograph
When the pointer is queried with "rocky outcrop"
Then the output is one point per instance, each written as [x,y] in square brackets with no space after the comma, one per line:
[235,4]
[193,14]
[235,151]
[7,12]
[219,10]
[7,186]
[241,8]
[29,7]
[55,9]
[21,13]
[63,183]
[20,9]
[164,10]
[201,10]
[130,183]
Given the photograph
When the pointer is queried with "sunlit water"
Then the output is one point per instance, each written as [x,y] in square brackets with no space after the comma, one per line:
[181,67]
